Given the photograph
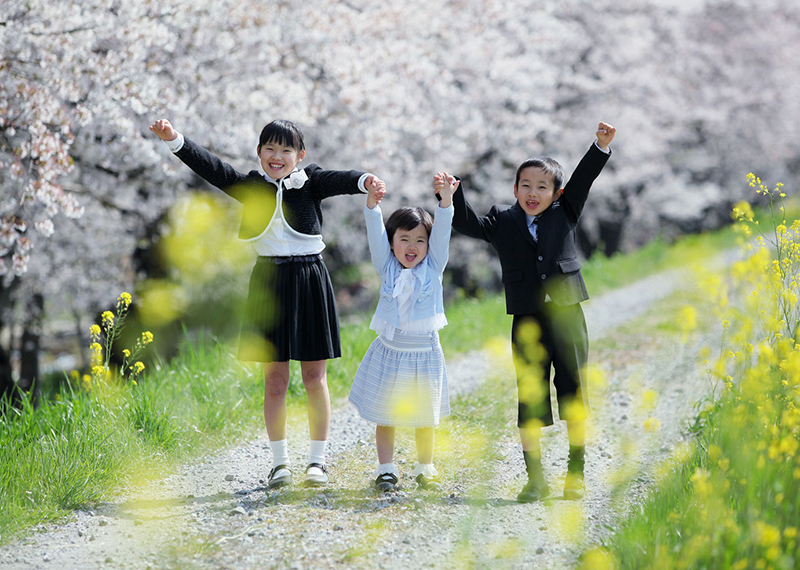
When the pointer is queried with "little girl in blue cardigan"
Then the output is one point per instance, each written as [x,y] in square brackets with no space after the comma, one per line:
[402,382]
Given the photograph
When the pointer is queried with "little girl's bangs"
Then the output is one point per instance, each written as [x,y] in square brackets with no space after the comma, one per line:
[284,133]
[408,218]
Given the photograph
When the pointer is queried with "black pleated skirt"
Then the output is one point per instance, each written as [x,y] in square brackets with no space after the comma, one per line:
[291,312]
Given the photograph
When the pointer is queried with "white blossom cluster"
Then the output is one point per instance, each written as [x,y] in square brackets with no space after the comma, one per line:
[700,92]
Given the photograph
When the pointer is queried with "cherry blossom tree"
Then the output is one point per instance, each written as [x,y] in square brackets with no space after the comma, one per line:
[700,92]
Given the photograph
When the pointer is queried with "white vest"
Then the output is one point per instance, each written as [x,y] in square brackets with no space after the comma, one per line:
[280,239]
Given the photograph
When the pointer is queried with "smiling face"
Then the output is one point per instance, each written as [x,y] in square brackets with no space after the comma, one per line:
[535,190]
[279,160]
[410,246]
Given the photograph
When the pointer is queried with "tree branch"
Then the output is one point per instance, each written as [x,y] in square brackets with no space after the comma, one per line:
[102,200]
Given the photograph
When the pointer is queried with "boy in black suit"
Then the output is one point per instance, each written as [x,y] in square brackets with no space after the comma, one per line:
[535,241]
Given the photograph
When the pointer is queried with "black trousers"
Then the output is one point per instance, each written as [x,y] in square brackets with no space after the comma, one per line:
[553,337]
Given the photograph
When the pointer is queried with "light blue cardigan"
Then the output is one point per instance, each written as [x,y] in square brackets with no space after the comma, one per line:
[427,308]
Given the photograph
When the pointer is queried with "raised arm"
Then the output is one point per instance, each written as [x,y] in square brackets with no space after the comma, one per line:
[206,165]
[444,186]
[577,189]
[379,248]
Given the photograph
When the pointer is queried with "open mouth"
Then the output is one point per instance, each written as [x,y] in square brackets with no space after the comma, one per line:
[532,204]
[410,257]
[275,166]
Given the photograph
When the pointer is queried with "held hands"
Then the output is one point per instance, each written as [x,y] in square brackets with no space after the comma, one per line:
[376,189]
[445,185]
[605,134]
[164,130]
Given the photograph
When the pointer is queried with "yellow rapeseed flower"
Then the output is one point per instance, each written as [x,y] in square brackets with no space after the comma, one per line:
[124,301]
[94,332]
[108,319]
[701,483]
[137,367]
[147,338]
[742,211]
[599,559]
[126,353]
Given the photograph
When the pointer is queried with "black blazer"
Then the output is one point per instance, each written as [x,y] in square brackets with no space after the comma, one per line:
[529,270]
[301,206]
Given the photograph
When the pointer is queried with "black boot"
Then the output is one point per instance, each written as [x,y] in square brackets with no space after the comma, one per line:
[536,489]
[574,486]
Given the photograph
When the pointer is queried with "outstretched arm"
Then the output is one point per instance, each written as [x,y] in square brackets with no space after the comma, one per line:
[329,183]
[206,165]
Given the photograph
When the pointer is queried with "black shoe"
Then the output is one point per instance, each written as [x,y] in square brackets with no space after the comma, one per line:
[428,483]
[534,491]
[316,475]
[279,476]
[386,482]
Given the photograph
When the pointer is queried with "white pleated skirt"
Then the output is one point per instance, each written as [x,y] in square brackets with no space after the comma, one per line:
[402,382]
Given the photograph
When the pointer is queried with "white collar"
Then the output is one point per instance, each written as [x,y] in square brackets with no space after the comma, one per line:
[295,179]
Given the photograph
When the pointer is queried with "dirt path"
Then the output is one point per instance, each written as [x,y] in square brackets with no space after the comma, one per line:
[217,513]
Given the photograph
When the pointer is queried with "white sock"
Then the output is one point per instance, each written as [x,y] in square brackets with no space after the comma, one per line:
[316,452]
[386,468]
[280,452]
[426,469]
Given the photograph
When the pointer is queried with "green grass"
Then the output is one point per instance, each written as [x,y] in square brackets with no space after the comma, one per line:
[81,447]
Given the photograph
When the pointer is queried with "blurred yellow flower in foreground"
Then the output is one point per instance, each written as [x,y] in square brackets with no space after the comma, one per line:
[651,425]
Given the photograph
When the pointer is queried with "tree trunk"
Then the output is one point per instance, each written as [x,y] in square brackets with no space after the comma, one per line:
[29,350]
[6,310]
[80,334]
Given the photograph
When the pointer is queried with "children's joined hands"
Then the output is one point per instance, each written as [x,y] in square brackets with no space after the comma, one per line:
[445,185]
[163,128]
[376,190]
[605,134]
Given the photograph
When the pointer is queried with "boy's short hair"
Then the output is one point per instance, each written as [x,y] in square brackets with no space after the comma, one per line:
[408,218]
[548,165]
[281,131]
